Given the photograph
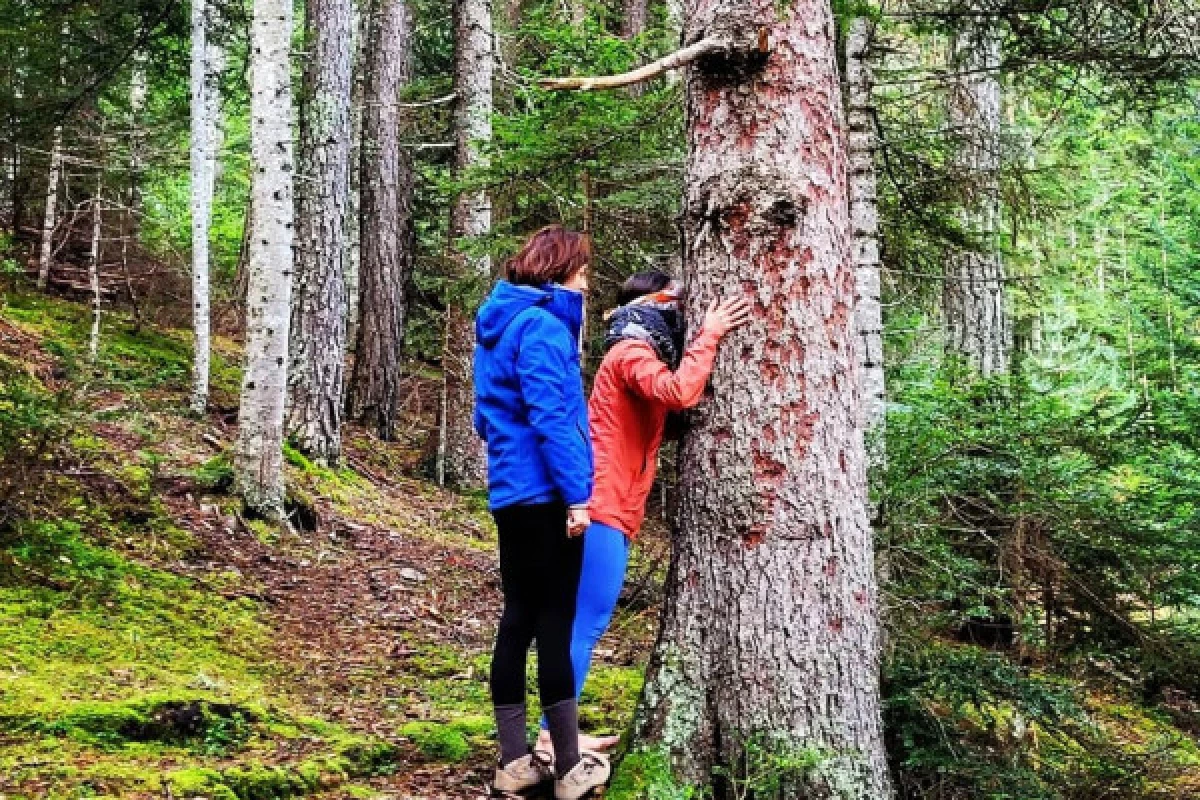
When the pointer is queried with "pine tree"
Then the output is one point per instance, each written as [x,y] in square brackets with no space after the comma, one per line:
[769,641]
[461,458]
[387,232]
[318,327]
[977,317]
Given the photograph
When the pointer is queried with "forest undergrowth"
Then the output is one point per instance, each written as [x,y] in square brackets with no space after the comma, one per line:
[156,642]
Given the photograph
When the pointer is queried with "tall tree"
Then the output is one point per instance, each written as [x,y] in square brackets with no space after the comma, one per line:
[388,230]
[974,303]
[258,467]
[206,65]
[769,644]
[633,23]
[460,453]
[50,213]
[358,29]
[94,254]
[318,328]
[864,219]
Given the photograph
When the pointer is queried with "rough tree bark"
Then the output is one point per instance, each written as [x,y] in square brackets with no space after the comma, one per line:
[864,220]
[461,458]
[973,300]
[258,463]
[318,329]
[770,631]
[387,231]
[207,60]
[353,206]
[633,22]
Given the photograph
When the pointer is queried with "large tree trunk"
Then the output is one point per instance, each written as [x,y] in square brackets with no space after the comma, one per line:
[387,223]
[258,468]
[633,23]
[461,458]
[50,217]
[359,29]
[864,221]
[769,640]
[318,329]
[207,60]
[977,322]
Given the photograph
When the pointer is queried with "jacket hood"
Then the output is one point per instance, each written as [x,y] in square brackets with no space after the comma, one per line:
[509,300]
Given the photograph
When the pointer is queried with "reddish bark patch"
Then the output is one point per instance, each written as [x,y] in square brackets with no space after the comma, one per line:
[831,567]
[836,624]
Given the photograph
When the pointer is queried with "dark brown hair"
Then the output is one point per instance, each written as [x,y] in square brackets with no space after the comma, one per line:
[552,255]
[640,284]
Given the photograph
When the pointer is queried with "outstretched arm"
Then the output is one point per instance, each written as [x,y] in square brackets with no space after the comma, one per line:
[683,388]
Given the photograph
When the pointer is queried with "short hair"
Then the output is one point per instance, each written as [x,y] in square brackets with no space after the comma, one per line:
[641,284]
[552,255]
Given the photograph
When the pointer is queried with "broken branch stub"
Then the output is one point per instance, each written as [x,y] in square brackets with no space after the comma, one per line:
[715,54]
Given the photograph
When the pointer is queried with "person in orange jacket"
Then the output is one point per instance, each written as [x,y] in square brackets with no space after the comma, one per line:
[646,375]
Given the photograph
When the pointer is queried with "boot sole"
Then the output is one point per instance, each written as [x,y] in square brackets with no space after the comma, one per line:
[543,791]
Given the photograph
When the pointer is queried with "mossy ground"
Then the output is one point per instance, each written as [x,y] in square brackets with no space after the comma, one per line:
[153,643]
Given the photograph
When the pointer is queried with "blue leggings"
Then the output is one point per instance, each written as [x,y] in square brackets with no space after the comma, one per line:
[605,555]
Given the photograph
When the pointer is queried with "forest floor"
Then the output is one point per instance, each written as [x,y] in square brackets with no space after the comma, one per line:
[155,643]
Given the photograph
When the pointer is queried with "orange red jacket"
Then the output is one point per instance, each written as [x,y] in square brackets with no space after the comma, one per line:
[631,397]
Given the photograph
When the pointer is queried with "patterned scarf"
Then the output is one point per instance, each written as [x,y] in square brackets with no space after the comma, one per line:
[655,319]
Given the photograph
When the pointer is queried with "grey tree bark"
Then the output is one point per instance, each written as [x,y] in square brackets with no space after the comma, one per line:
[633,23]
[864,220]
[258,461]
[461,459]
[770,631]
[207,63]
[974,304]
[387,232]
[354,207]
[50,215]
[318,328]
[94,262]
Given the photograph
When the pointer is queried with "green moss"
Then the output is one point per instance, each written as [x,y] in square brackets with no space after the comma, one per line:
[647,775]
[609,697]
[215,475]
[452,741]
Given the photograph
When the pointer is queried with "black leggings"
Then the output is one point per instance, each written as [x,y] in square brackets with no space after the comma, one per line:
[539,571]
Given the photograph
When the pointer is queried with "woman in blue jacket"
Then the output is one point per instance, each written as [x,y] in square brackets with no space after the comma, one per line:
[531,410]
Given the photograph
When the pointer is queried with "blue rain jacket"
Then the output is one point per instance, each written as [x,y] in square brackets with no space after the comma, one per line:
[529,402]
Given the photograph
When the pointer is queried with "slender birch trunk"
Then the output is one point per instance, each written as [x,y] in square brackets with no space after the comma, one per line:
[130,224]
[769,641]
[864,221]
[388,232]
[207,62]
[12,167]
[258,466]
[50,217]
[461,460]
[318,328]
[977,320]
[94,263]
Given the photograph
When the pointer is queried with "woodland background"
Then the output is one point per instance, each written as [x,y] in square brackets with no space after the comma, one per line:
[1035,515]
